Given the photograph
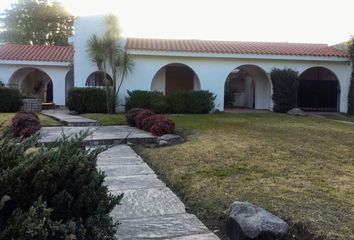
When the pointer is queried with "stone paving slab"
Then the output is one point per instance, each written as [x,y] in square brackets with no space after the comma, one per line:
[147,203]
[209,236]
[159,227]
[126,170]
[149,209]
[104,135]
[119,151]
[133,182]
[119,161]
[66,119]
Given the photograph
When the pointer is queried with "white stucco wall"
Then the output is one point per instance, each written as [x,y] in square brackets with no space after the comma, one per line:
[56,72]
[211,69]
[213,72]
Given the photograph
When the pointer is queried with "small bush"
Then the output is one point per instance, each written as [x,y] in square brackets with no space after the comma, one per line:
[131,114]
[25,124]
[194,102]
[285,85]
[146,99]
[10,100]
[200,102]
[139,118]
[163,126]
[2,84]
[150,121]
[87,100]
[53,193]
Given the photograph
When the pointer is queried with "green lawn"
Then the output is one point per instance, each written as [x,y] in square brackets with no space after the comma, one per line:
[106,119]
[5,120]
[300,168]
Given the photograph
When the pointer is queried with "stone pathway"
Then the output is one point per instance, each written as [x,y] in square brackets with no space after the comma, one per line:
[101,135]
[66,119]
[149,209]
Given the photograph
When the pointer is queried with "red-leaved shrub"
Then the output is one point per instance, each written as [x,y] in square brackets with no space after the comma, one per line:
[163,126]
[150,121]
[141,116]
[24,124]
[131,114]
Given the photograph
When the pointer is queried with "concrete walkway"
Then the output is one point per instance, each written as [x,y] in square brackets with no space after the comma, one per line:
[63,116]
[101,135]
[149,209]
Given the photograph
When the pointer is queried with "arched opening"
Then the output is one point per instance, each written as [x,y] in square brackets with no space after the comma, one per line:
[33,83]
[175,77]
[69,81]
[97,79]
[318,90]
[247,86]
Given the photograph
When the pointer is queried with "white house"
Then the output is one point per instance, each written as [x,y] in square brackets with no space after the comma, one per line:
[38,71]
[237,70]
[166,65]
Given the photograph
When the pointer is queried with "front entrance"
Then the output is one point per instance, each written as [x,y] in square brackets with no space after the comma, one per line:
[247,86]
[318,90]
[179,78]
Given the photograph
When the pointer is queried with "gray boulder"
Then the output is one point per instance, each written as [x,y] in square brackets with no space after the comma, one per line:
[296,112]
[169,139]
[246,221]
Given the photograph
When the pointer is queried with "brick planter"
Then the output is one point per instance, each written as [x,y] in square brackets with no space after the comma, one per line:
[32,104]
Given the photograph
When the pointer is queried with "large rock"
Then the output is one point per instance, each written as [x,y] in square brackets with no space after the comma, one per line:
[296,112]
[246,221]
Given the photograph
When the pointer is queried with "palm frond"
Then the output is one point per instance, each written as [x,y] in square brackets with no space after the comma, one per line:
[96,50]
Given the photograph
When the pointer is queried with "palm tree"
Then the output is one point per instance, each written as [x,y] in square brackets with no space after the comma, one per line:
[125,65]
[111,36]
[97,52]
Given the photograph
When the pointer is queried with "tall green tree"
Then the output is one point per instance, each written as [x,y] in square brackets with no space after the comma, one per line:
[351,87]
[106,52]
[37,22]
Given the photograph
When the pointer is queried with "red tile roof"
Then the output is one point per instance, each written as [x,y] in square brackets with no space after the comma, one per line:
[36,53]
[233,47]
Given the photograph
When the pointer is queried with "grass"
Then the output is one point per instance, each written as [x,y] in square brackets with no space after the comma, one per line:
[339,116]
[5,120]
[300,168]
[106,119]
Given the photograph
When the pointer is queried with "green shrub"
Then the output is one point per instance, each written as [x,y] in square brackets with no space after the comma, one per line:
[200,102]
[53,193]
[10,100]
[87,100]
[147,100]
[176,102]
[2,84]
[285,85]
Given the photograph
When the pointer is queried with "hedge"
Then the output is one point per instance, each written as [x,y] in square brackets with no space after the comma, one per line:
[155,101]
[10,100]
[194,102]
[285,85]
[87,100]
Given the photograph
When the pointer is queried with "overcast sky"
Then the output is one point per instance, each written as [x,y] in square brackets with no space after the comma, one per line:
[312,21]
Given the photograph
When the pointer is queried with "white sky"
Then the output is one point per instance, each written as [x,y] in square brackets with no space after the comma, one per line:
[312,21]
